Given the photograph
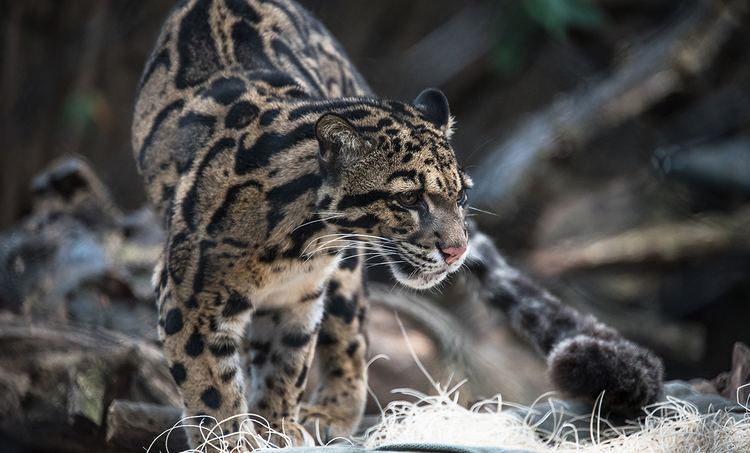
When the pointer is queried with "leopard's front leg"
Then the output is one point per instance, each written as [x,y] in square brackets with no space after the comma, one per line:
[338,403]
[201,337]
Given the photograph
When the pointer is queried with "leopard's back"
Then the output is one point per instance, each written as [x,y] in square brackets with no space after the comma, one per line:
[219,50]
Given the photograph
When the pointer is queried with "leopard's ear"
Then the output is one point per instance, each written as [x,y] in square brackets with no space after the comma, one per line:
[340,143]
[434,107]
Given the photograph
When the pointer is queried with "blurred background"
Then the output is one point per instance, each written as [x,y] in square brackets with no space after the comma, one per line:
[609,140]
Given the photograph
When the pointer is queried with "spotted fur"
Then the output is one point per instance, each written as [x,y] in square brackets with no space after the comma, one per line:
[278,172]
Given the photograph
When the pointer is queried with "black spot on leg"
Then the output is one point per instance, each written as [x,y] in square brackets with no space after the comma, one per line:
[352,348]
[179,374]
[260,350]
[173,323]
[326,338]
[228,375]
[336,372]
[341,307]
[259,358]
[301,378]
[203,419]
[163,277]
[223,348]
[261,346]
[295,339]
[261,312]
[235,305]
[192,302]
[350,260]
[194,345]
[211,398]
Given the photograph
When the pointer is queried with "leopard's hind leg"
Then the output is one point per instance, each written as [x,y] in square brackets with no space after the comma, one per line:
[282,346]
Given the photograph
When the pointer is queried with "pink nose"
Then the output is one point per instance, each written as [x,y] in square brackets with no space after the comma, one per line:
[452,254]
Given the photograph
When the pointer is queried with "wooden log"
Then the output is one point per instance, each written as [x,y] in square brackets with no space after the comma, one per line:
[136,426]
[739,380]
[664,243]
[140,426]
[735,384]
[58,380]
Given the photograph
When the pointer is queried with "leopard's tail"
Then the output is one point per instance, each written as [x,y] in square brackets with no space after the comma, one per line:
[584,356]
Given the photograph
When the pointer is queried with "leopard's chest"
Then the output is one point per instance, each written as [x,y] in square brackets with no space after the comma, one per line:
[294,282]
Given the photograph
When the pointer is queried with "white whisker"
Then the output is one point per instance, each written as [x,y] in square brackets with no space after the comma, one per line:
[482,211]
[315,221]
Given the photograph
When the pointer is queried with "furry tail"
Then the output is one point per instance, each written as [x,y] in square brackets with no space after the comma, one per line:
[584,356]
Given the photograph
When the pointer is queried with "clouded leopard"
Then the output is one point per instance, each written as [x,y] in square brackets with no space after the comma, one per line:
[277,171]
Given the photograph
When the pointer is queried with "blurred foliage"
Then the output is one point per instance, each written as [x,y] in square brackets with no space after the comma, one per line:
[527,18]
[82,109]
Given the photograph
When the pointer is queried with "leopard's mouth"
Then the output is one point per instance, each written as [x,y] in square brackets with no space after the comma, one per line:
[419,267]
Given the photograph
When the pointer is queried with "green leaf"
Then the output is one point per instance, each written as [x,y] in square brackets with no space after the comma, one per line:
[79,108]
[559,16]
[514,31]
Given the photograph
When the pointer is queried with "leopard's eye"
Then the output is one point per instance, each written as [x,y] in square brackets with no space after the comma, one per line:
[409,199]
[463,197]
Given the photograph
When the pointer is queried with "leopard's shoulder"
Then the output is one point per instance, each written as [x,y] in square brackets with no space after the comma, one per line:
[216,66]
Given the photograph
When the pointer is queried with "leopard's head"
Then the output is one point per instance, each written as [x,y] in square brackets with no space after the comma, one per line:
[393,182]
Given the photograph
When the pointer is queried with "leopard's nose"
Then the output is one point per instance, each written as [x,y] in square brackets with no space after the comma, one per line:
[452,254]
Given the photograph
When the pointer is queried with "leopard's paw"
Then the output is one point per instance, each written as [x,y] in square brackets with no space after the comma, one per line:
[327,423]
[285,434]
[584,366]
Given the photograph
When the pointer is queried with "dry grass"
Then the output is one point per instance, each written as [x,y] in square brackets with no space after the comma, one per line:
[672,426]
